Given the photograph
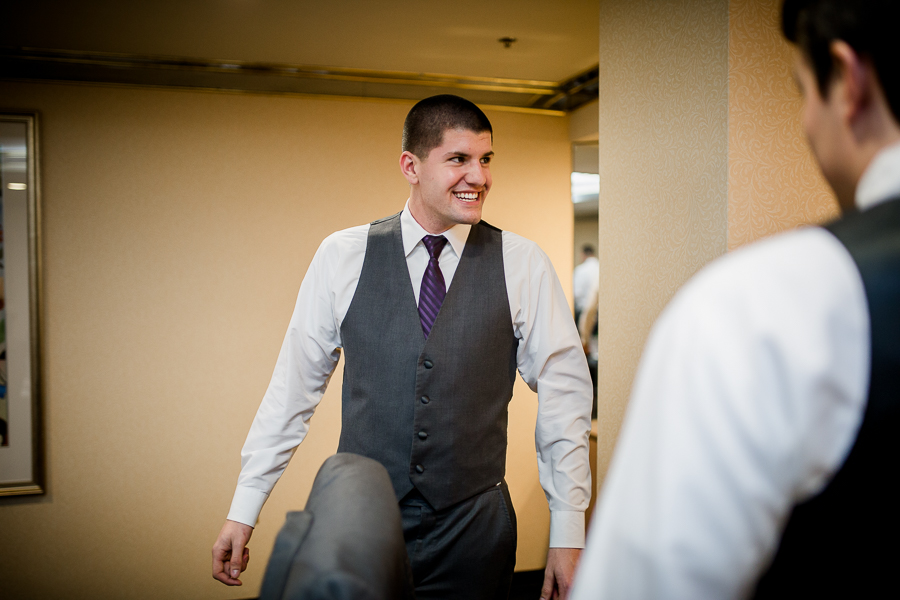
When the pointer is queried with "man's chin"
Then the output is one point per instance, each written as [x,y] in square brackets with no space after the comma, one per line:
[469,215]
[470,218]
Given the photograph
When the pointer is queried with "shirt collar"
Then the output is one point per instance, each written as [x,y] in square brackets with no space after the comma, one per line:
[413,233]
[881,179]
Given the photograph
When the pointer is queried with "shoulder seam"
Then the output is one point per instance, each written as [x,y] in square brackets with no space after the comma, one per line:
[382,220]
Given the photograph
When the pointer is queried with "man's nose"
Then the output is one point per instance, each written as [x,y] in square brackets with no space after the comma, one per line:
[477,175]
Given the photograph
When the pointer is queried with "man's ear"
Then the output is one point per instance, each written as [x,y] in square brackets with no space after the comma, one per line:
[409,166]
[853,80]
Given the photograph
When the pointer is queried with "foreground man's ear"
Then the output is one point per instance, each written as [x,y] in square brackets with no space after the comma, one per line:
[852,80]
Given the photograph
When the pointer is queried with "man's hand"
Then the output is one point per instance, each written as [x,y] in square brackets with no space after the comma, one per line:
[232,543]
[560,571]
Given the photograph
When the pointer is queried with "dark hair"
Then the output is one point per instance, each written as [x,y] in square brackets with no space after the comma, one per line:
[588,249]
[867,26]
[427,121]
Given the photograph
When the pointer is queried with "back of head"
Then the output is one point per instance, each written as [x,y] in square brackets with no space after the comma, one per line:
[430,118]
[868,26]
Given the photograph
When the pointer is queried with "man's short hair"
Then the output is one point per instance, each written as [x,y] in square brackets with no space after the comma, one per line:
[588,249]
[427,121]
[867,26]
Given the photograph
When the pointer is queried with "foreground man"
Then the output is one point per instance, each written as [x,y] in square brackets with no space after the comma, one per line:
[434,311]
[758,453]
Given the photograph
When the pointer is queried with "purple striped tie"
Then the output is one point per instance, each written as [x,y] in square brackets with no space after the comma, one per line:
[433,290]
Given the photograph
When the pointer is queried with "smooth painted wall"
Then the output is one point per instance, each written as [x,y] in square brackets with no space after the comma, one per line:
[177,226]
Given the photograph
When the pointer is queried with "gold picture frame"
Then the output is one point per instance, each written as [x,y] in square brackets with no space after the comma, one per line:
[21,429]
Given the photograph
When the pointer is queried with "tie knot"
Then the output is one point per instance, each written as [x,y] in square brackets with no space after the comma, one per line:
[435,244]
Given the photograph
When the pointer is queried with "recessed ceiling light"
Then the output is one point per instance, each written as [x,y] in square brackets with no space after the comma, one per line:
[17,186]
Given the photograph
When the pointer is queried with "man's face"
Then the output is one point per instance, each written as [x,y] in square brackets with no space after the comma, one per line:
[453,181]
[821,124]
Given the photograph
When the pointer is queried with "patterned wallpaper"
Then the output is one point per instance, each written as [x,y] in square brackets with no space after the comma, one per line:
[701,149]
[663,172]
[773,182]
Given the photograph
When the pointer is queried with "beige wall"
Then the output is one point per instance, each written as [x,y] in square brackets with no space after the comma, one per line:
[177,228]
[773,182]
[701,148]
[663,173]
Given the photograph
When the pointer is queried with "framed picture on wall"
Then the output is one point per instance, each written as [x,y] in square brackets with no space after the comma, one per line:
[21,442]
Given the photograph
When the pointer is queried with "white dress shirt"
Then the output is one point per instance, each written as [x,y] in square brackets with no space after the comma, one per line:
[585,282]
[549,356]
[748,399]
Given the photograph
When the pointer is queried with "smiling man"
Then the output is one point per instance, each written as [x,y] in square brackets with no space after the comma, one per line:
[757,453]
[434,311]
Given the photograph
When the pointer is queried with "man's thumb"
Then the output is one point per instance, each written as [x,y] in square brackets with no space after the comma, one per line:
[237,558]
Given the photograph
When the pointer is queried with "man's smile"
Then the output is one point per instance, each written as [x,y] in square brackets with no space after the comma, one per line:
[467,196]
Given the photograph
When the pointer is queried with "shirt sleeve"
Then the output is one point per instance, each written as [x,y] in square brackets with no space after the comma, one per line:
[552,362]
[748,398]
[308,356]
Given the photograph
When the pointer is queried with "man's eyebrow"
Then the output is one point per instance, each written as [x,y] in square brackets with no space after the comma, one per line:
[466,154]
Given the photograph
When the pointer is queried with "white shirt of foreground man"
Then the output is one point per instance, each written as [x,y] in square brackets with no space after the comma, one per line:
[750,392]
[741,393]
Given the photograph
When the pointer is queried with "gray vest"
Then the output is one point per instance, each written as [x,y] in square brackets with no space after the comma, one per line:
[433,412]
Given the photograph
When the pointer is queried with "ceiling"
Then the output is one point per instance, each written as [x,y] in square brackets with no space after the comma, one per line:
[556,42]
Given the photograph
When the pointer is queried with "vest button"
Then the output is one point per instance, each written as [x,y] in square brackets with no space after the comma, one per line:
[425,399]
[422,435]
[420,469]
[428,364]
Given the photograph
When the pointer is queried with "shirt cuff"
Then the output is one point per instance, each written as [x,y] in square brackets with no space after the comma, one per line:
[246,505]
[567,529]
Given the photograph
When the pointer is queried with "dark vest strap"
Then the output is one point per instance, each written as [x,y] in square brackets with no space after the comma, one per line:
[844,541]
